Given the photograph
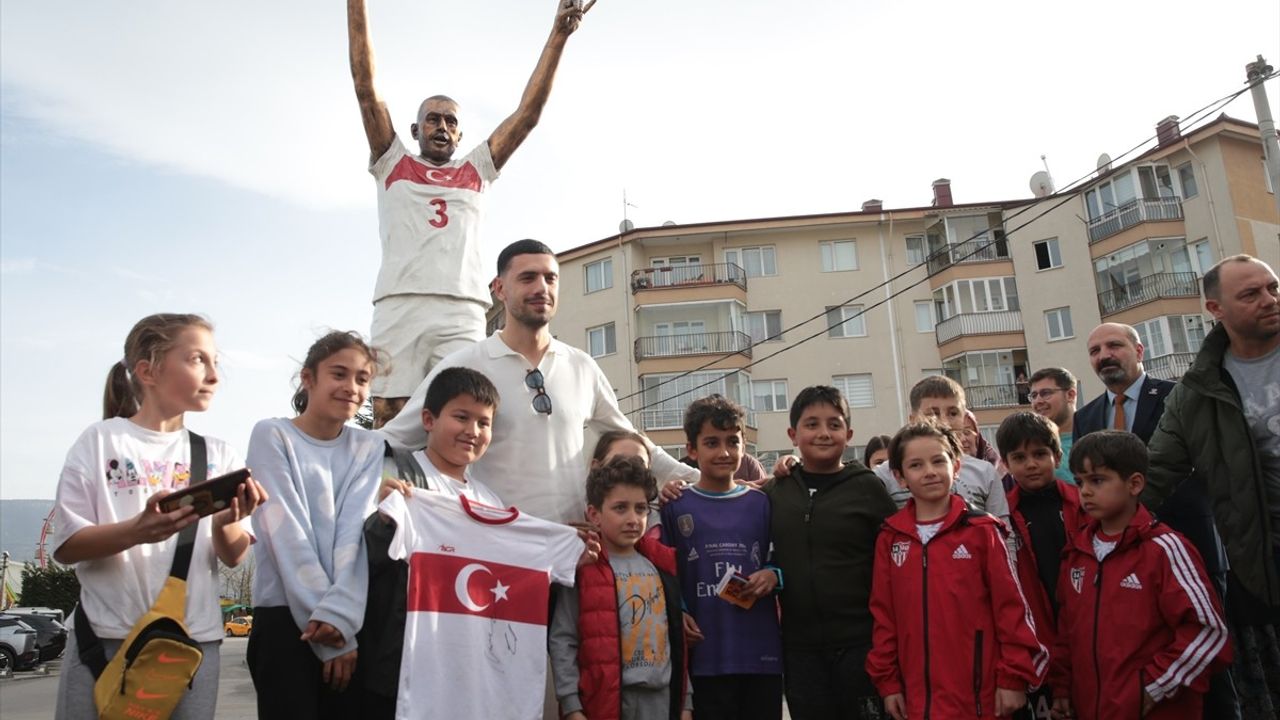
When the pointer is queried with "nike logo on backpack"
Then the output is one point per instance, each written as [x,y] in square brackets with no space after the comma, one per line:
[166,659]
[144,695]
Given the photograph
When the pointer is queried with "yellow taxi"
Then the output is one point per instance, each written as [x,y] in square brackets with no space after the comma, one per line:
[239,627]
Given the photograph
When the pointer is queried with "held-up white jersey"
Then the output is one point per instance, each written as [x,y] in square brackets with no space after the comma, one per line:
[475,642]
[429,223]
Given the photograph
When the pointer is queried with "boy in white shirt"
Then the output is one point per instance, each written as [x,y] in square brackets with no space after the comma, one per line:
[458,416]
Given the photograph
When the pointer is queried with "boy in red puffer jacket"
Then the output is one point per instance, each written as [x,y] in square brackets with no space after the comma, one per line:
[1139,630]
[616,640]
[953,635]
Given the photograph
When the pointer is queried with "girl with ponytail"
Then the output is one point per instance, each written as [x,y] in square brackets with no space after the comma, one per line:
[107,520]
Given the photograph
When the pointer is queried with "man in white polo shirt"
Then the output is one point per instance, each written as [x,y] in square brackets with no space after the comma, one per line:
[549,392]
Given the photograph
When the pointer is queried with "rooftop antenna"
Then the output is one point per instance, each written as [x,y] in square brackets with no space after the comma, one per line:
[626,225]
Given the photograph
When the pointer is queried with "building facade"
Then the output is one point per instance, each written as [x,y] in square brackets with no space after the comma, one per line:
[871,301]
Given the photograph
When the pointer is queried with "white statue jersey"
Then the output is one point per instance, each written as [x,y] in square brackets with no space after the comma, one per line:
[429,224]
[475,638]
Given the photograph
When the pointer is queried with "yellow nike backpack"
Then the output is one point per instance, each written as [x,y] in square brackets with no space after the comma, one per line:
[157,662]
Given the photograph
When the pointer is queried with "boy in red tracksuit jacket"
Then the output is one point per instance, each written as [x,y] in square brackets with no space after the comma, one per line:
[1139,630]
[953,636]
[1043,510]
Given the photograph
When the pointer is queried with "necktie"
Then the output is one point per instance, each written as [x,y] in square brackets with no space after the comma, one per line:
[1120,419]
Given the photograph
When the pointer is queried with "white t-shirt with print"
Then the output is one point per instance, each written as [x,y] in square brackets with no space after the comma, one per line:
[109,473]
[475,641]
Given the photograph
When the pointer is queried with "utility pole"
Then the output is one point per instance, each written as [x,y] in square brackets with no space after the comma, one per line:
[1257,72]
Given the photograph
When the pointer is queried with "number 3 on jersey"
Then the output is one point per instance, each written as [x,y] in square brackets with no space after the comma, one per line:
[442,213]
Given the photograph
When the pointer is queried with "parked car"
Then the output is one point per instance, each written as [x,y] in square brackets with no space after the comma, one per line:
[51,635]
[54,613]
[239,627]
[18,648]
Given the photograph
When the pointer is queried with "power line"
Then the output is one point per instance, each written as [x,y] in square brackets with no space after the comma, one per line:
[946,248]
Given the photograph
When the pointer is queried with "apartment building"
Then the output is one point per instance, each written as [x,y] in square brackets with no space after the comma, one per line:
[872,300]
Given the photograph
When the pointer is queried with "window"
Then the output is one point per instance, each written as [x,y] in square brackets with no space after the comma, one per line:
[757,261]
[666,395]
[769,395]
[927,372]
[976,296]
[1047,255]
[916,254]
[677,270]
[924,316]
[1059,322]
[764,325]
[1110,195]
[1171,334]
[1203,256]
[839,256]
[1187,176]
[599,275]
[846,321]
[602,340]
[857,389]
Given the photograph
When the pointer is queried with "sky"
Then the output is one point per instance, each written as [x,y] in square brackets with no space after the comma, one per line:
[160,156]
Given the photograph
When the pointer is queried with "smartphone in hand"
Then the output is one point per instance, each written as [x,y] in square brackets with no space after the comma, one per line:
[208,497]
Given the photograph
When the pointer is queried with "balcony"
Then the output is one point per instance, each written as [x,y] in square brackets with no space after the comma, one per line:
[1147,288]
[986,323]
[673,418]
[971,251]
[683,276]
[1132,213]
[983,397]
[1169,367]
[713,343]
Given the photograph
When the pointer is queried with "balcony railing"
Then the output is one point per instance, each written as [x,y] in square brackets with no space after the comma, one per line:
[970,251]
[693,344]
[984,323]
[1132,213]
[688,276]
[1148,288]
[673,418]
[993,396]
[1169,367]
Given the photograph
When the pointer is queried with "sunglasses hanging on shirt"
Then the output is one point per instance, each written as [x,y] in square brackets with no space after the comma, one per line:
[541,401]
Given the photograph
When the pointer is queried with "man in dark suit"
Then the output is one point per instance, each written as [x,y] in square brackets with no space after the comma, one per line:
[1134,401]
[1116,356]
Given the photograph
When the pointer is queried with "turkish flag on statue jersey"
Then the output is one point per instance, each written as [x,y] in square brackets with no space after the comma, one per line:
[478,587]
[464,176]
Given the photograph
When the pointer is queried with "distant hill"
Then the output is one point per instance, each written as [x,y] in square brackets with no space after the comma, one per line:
[20,523]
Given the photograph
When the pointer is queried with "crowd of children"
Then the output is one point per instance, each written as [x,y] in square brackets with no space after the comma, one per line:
[397,584]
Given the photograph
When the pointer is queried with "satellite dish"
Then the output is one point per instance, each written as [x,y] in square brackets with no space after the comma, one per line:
[669,223]
[1104,163]
[626,226]
[1041,185]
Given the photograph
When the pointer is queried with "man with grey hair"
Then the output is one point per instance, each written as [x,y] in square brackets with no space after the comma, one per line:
[1222,426]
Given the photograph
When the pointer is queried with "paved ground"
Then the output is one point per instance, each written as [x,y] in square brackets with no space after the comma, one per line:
[30,696]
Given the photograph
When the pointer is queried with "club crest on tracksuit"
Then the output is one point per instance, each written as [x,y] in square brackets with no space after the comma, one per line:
[899,552]
[1077,579]
[685,524]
